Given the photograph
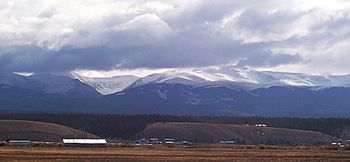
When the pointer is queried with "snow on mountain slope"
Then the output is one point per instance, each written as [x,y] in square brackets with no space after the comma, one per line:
[230,75]
[57,84]
[225,74]
[107,85]
[75,83]
[169,77]
[343,80]
[298,79]
[266,78]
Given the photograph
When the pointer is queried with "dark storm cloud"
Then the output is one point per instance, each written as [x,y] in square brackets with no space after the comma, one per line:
[73,35]
[268,59]
[175,53]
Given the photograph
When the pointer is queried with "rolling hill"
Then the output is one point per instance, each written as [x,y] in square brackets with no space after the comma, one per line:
[38,131]
[209,133]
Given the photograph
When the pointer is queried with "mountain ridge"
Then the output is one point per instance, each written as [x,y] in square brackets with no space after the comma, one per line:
[176,94]
[198,77]
[50,83]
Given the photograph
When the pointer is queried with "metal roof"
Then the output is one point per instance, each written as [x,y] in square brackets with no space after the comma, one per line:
[85,141]
[19,141]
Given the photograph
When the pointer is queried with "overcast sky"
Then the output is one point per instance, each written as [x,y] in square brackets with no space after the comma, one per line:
[309,36]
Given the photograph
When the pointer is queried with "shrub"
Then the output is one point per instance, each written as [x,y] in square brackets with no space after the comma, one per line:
[330,147]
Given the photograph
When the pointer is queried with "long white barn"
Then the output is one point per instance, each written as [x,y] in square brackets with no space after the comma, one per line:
[84,142]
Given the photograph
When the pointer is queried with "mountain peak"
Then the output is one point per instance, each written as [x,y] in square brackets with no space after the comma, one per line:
[211,76]
[107,85]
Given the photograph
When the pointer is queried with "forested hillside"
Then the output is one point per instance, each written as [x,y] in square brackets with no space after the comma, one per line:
[126,126]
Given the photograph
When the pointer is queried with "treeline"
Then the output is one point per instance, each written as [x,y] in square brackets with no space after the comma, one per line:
[126,126]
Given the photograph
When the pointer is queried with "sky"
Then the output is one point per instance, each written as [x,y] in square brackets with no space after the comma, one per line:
[138,36]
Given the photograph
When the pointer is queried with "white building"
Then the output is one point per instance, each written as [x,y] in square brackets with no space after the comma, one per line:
[19,143]
[85,142]
[169,141]
[227,142]
[260,125]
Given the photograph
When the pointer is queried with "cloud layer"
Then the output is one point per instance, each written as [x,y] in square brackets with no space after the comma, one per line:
[58,35]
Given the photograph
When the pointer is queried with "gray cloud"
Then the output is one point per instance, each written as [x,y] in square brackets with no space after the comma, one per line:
[64,36]
[268,59]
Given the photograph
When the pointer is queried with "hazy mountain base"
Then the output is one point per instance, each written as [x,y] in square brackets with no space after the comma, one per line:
[178,99]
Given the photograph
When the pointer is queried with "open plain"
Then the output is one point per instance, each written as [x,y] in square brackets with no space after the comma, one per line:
[162,153]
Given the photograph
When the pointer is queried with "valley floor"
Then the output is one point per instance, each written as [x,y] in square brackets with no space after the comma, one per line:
[202,153]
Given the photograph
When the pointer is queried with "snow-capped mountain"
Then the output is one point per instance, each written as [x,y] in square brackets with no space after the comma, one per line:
[210,91]
[219,76]
[106,85]
[298,79]
[278,78]
[49,84]
[170,77]
[230,75]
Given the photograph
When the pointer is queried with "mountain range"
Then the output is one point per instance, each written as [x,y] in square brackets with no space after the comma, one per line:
[210,91]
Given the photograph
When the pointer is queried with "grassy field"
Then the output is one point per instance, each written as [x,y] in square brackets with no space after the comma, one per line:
[38,131]
[213,132]
[202,153]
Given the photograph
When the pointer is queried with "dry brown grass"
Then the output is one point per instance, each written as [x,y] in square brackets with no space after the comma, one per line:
[38,131]
[160,153]
[210,132]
